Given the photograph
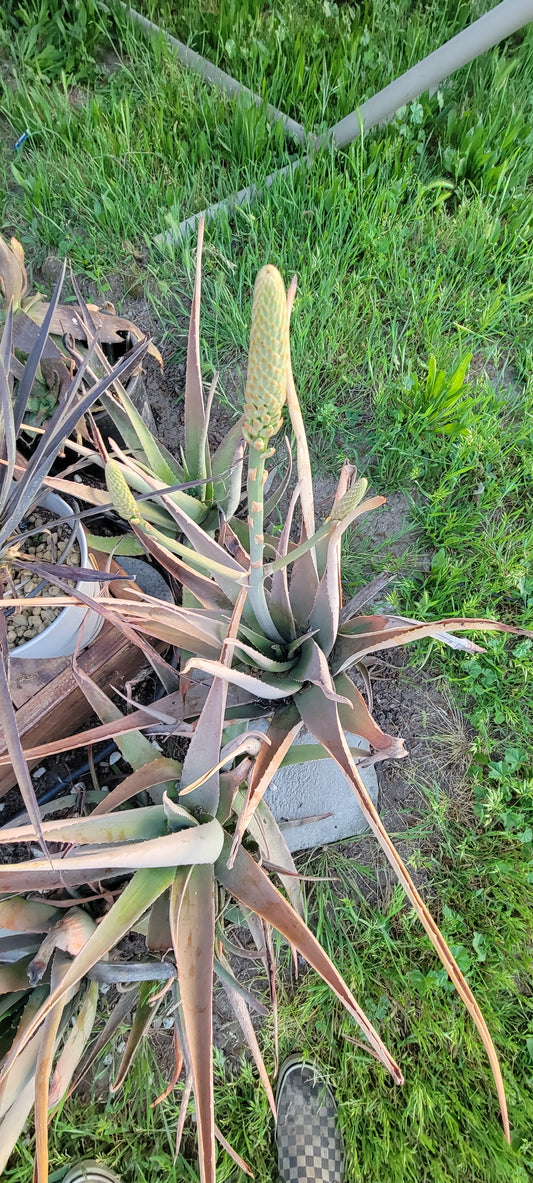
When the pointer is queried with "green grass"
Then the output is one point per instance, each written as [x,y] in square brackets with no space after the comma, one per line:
[414,243]
[314,60]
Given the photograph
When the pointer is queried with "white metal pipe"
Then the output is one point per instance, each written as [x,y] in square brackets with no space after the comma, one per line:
[483,34]
[506,18]
[216,76]
[243,197]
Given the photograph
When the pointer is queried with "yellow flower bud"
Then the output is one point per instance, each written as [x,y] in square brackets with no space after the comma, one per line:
[120,493]
[268,359]
[349,501]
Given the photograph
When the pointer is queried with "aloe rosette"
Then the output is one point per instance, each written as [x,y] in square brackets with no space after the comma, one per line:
[294,652]
[263,633]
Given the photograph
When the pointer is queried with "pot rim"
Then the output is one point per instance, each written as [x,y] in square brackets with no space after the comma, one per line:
[49,495]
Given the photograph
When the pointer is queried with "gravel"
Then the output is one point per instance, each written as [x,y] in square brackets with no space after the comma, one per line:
[46,545]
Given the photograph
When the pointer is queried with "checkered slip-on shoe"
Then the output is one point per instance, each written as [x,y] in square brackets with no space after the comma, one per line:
[310,1145]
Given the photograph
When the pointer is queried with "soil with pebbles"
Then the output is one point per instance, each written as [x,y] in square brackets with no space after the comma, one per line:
[48,543]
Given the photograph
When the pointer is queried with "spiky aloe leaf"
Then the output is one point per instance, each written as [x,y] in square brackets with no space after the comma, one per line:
[239,1162]
[238,1002]
[303,461]
[280,604]
[145,886]
[121,544]
[48,1038]
[265,831]
[120,726]
[12,1125]
[184,627]
[195,844]
[273,688]
[157,772]
[138,436]
[322,720]
[192,922]
[249,884]
[36,352]
[227,467]
[13,744]
[21,915]
[272,501]
[303,586]
[195,415]
[74,1046]
[203,588]
[146,822]
[8,433]
[223,972]
[147,1009]
[373,634]
[260,661]
[312,666]
[135,747]
[13,977]
[118,1015]
[356,719]
[281,733]
[203,753]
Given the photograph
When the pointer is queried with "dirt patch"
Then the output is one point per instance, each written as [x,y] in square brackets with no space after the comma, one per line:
[503,378]
[165,392]
[391,532]
[415,704]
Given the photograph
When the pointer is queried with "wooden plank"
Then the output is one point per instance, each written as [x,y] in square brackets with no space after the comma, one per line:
[48,701]
[58,707]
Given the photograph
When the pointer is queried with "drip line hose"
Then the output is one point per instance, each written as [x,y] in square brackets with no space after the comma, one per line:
[62,783]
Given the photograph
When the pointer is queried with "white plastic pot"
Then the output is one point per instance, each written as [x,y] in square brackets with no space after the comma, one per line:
[60,638]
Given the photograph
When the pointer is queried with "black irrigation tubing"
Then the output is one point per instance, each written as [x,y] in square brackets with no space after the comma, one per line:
[506,18]
[63,782]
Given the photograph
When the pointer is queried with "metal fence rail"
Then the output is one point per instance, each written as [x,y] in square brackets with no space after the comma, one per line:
[503,20]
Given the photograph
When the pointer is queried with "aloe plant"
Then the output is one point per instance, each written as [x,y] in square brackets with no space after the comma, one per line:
[295,646]
[177,855]
[262,623]
[69,335]
[21,484]
[202,483]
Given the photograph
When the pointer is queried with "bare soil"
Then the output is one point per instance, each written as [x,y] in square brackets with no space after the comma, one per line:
[415,704]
